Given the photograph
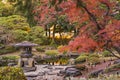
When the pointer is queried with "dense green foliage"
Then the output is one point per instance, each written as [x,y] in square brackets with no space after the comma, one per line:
[6,9]
[81,59]
[90,58]
[14,29]
[40,49]
[11,73]
[7,49]
[51,52]
[9,57]
[17,29]
[25,8]
[14,22]
[37,35]
[106,54]
[94,60]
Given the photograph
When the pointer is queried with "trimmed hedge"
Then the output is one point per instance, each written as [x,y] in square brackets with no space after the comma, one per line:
[94,60]
[10,57]
[81,59]
[51,52]
[7,49]
[91,58]
[94,55]
[40,49]
[106,54]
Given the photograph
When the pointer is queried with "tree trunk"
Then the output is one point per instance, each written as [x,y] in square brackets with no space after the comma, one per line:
[54,29]
[61,41]
[49,32]
[46,30]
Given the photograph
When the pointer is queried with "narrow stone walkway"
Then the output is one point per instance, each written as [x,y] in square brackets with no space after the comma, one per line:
[43,73]
[51,74]
[101,66]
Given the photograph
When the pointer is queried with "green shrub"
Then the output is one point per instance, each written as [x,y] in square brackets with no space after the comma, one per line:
[51,60]
[37,35]
[63,60]
[94,60]
[14,22]
[51,52]
[20,35]
[6,9]
[8,49]
[11,73]
[10,57]
[40,49]
[85,54]
[38,41]
[1,45]
[106,54]
[14,27]
[94,55]
[81,59]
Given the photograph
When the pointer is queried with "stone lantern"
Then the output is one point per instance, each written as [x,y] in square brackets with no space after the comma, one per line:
[26,60]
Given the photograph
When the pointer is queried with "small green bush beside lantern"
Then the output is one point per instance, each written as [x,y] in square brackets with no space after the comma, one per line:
[11,73]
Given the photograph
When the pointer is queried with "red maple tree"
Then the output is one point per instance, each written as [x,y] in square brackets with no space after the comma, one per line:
[98,29]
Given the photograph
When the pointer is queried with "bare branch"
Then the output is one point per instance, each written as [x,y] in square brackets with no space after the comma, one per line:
[108,8]
[113,53]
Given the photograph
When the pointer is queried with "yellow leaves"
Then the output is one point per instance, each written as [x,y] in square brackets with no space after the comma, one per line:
[117,31]
[64,35]
[27,28]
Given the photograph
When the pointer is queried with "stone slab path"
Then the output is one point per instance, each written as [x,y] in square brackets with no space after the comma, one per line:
[51,72]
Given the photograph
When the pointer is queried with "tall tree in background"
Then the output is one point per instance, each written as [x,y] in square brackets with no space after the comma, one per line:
[25,8]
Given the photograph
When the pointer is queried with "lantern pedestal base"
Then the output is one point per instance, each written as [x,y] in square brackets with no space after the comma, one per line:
[26,62]
[29,69]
